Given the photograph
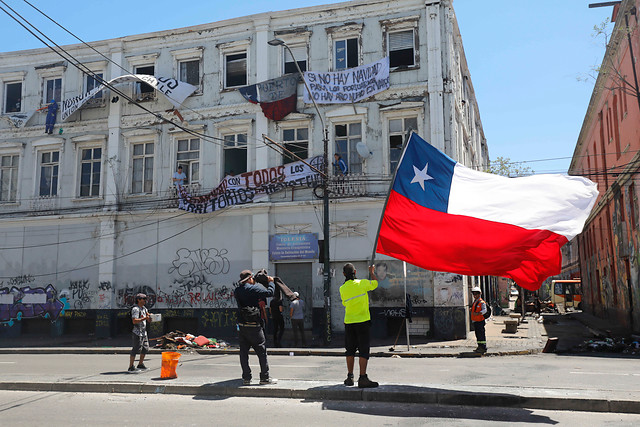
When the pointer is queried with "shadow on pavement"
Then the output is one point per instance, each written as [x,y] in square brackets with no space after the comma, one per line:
[440,411]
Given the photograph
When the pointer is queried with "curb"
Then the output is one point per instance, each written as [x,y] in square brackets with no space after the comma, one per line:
[331,391]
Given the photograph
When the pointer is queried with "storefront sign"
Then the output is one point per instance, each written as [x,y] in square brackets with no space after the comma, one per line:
[293,246]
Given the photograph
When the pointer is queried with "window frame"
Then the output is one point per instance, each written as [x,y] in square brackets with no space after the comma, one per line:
[144,156]
[187,164]
[295,46]
[140,61]
[12,78]
[237,146]
[404,110]
[394,26]
[344,32]
[188,55]
[5,93]
[55,172]
[15,176]
[295,127]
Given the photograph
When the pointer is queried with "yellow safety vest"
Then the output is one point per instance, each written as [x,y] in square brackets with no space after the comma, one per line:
[356,300]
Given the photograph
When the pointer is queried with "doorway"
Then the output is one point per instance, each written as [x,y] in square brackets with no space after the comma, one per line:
[298,277]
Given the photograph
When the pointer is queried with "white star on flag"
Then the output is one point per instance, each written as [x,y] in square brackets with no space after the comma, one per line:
[421,175]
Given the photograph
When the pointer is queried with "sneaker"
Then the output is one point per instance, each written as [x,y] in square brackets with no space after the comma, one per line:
[246,382]
[141,366]
[349,380]
[365,382]
[268,381]
[132,370]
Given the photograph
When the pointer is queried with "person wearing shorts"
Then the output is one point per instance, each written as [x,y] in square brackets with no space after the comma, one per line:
[357,322]
[140,340]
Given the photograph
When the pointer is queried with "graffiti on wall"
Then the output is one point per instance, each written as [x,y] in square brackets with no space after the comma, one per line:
[193,280]
[18,301]
[126,295]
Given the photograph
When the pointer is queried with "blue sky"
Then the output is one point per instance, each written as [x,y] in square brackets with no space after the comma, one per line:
[525,57]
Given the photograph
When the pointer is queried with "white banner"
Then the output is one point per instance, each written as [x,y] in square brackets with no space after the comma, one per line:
[252,186]
[347,86]
[19,120]
[175,91]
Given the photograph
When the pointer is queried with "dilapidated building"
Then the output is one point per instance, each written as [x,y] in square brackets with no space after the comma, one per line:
[608,152]
[89,212]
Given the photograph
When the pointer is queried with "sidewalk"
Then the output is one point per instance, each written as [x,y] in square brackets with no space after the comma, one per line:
[322,385]
[529,339]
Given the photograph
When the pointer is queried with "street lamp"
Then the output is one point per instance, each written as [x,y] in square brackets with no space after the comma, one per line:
[326,333]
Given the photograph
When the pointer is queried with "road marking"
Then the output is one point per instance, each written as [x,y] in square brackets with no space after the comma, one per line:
[7,362]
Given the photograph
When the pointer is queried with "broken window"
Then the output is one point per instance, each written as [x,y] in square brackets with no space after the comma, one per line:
[8,178]
[13,97]
[235,153]
[142,179]
[398,129]
[300,54]
[52,90]
[90,170]
[189,72]
[346,53]
[295,141]
[142,90]
[189,158]
[401,49]
[49,165]
[347,137]
[235,70]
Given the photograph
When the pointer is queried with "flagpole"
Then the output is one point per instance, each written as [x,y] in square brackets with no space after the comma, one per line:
[406,319]
[386,201]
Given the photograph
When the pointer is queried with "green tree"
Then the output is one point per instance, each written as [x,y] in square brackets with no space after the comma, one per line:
[505,167]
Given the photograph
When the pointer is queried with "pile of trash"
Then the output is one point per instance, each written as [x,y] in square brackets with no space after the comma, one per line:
[178,340]
[611,345]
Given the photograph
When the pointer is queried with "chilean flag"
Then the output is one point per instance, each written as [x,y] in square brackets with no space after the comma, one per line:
[277,97]
[443,216]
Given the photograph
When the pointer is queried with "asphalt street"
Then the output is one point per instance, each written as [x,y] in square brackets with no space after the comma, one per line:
[19,408]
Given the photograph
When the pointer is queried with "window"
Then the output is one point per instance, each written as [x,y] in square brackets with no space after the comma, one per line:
[235,153]
[401,49]
[235,72]
[13,97]
[8,177]
[398,129]
[142,179]
[52,90]
[300,54]
[347,136]
[49,165]
[622,206]
[296,141]
[90,171]
[92,82]
[346,53]
[189,158]
[189,71]
[143,91]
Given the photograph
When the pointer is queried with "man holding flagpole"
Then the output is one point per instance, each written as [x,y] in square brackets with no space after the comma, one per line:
[357,322]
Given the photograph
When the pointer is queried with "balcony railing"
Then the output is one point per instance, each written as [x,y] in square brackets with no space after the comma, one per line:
[172,195]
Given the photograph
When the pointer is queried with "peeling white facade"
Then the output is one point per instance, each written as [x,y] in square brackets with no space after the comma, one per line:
[100,237]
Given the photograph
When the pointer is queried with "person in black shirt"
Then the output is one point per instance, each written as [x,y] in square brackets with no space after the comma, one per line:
[277,308]
[250,330]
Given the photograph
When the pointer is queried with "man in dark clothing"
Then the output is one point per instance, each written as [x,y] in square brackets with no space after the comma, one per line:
[250,331]
[277,308]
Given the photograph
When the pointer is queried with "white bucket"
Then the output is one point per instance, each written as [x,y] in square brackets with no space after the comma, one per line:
[156,317]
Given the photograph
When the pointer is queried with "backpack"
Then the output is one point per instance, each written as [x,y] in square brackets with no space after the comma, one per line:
[488,313]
